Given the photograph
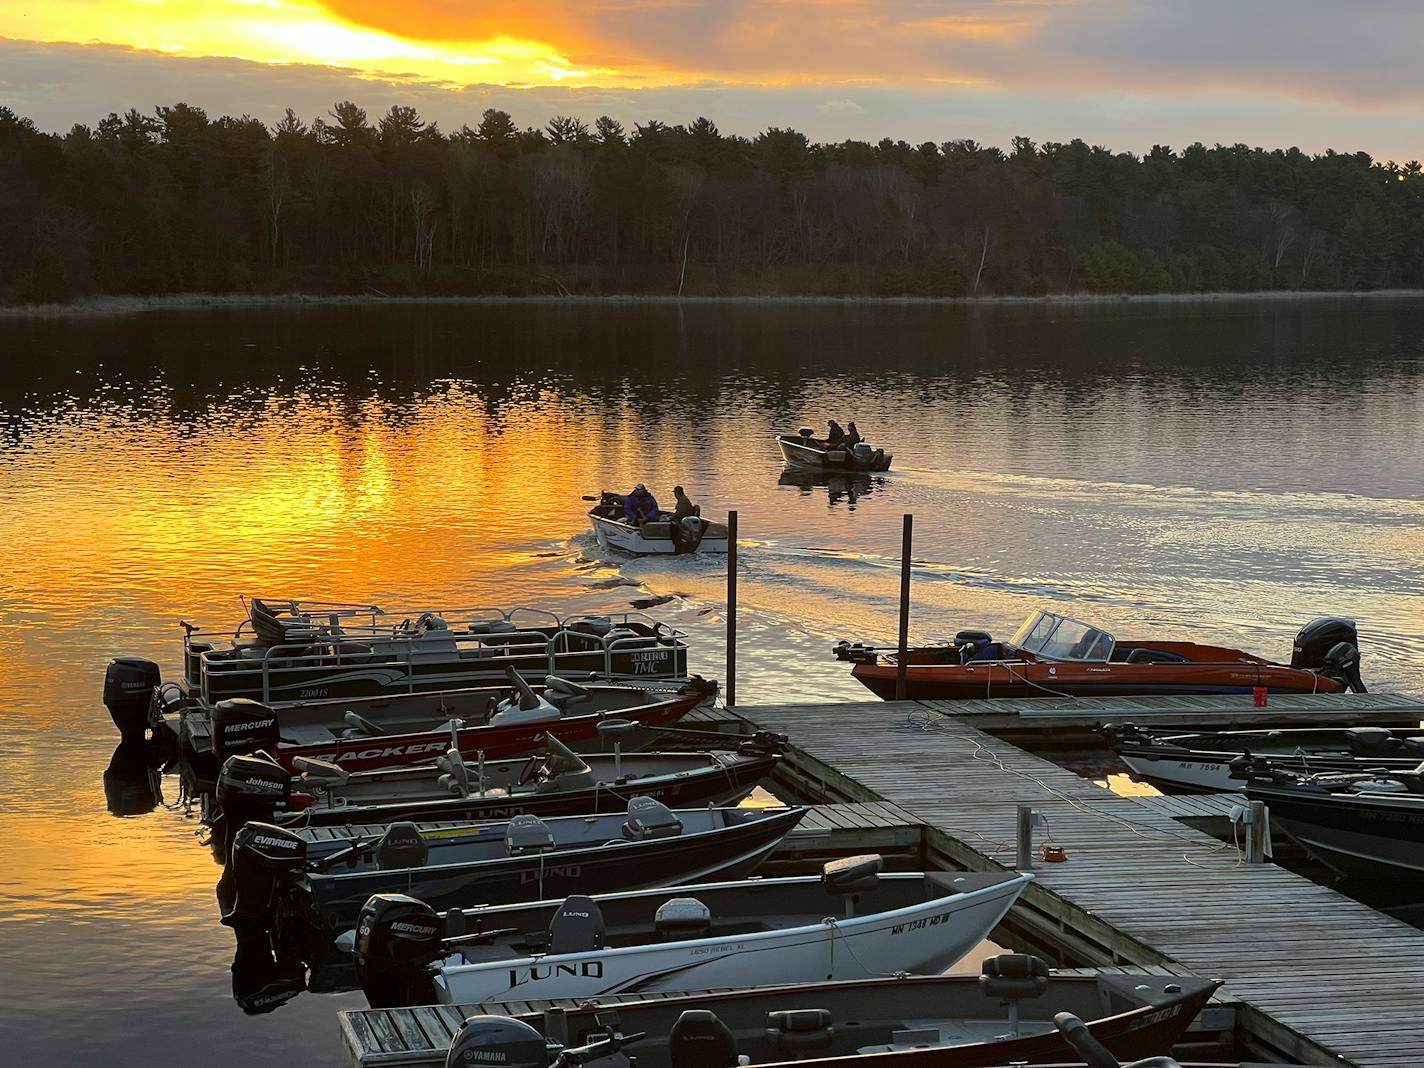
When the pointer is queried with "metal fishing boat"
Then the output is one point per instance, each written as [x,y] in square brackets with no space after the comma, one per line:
[312,879]
[757,931]
[1053,655]
[362,734]
[293,651]
[1005,1015]
[804,449]
[1213,761]
[663,536]
[1361,825]
[558,782]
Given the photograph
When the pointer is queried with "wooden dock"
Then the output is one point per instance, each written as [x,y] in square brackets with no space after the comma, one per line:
[1311,968]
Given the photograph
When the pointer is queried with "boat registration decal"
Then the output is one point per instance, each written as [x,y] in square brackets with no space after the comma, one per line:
[921,924]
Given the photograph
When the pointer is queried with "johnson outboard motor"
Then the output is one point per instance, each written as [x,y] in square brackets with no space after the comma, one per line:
[497,1041]
[128,687]
[397,939]
[241,725]
[264,859]
[1330,647]
[252,788]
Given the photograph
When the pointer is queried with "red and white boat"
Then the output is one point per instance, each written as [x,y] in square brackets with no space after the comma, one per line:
[1053,655]
[391,731]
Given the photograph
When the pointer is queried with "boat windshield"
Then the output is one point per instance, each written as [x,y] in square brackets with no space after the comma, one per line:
[1056,637]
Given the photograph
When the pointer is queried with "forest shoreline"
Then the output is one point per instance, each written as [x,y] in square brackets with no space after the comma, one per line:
[133,305]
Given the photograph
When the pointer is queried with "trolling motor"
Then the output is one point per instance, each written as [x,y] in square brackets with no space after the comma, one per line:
[397,939]
[1330,647]
[1075,1032]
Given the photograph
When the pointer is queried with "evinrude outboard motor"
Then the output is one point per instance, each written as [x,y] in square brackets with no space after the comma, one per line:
[1330,647]
[397,939]
[497,1041]
[242,725]
[252,788]
[128,689]
[264,859]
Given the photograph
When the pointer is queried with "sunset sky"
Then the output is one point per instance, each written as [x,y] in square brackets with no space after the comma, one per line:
[1127,73]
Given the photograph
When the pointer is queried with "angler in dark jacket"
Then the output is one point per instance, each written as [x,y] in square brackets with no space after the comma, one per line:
[640,506]
[834,434]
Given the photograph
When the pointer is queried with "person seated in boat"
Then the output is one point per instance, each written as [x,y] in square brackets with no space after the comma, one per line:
[852,436]
[834,434]
[684,508]
[640,506]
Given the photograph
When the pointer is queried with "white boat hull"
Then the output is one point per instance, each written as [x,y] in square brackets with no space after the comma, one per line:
[1195,776]
[630,539]
[926,937]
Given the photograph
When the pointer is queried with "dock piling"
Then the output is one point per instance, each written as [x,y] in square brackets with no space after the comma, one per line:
[731,691]
[900,662]
[1023,861]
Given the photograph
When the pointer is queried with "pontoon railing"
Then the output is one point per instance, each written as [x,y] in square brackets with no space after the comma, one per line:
[345,648]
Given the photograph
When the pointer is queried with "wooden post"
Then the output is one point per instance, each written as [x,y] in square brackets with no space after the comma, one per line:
[1256,833]
[1024,839]
[731,691]
[904,608]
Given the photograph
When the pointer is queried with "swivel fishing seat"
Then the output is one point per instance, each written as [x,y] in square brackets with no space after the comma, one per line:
[1012,977]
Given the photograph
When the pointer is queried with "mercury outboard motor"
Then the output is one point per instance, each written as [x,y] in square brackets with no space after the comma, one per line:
[1318,647]
[497,1041]
[252,788]
[242,725]
[128,688]
[397,939]
[264,859]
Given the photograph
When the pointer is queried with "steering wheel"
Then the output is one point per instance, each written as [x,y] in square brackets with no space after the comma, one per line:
[531,766]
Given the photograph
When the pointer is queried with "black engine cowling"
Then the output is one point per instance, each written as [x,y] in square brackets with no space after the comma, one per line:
[251,788]
[128,689]
[397,939]
[497,1041]
[264,859]
[241,725]
[1318,647]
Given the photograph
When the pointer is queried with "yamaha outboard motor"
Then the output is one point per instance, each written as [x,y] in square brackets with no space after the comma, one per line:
[241,725]
[264,860]
[1318,648]
[128,688]
[397,939]
[497,1041]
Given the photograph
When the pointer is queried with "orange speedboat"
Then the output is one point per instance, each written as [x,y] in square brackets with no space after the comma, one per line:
[1053,655]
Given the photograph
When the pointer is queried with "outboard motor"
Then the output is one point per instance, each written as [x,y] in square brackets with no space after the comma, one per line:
[128,688]
[499,1042]
[252,788]
[242,725]
[264,859]
[1318,648]
[397,939]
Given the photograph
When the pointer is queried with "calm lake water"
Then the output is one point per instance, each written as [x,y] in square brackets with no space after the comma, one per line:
[1224,472]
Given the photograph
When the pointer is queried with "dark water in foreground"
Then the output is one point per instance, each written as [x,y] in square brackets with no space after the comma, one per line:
[1223,472]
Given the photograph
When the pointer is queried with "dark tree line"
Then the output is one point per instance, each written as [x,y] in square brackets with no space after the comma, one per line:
[177,202]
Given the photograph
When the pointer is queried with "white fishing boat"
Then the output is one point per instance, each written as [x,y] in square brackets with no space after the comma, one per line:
[731,934]
[804,450]
[663,536]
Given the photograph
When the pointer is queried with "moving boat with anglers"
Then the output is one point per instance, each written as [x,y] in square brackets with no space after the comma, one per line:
[292,651]
[696,937]
[1215,761]
[939,1021]
[663,536]
[558,782]
[803,449]
[1361,825]
[362,734]
[1053,655]
[306,879]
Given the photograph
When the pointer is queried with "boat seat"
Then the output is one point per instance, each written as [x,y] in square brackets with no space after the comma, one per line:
[1370,741]
[649,818]
[402,847]
[793,1033]
[322,773]
[852,875]
[1150,656]
[457,773]
[682,918]
[598,626]
[700,1040]
[527,833]
[491,626]
[1413,746]
[1013,976]
[577,926]
[364,725]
